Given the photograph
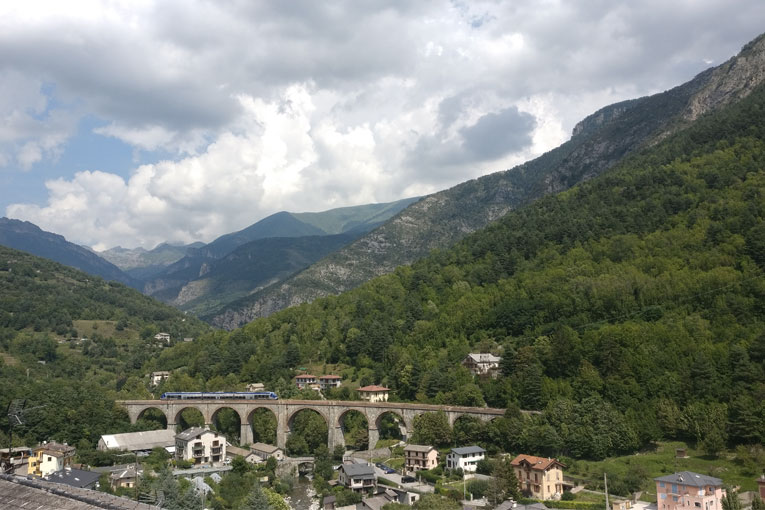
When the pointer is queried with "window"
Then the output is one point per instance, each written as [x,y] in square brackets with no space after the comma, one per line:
[663,496]
[674,488]
[661,484]
[674,498]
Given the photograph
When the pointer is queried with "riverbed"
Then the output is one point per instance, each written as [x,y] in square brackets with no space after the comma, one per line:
[302,495]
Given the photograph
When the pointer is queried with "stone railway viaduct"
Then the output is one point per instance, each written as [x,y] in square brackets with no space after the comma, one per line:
[333,412]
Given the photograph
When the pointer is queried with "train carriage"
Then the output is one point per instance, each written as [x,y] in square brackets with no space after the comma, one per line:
[219,395]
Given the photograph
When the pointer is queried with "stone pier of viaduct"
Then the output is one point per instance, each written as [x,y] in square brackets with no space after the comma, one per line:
[333,412]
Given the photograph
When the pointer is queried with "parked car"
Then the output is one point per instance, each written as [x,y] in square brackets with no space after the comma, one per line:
[407,479]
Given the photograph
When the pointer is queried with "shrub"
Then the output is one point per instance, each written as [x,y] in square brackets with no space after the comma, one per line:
[477,488]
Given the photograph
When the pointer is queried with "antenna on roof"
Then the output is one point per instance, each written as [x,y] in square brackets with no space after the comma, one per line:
[16,416]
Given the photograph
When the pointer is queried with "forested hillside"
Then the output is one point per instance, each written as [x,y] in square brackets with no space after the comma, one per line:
[23,235]
[254,265]
[71,341]
[627,309]
[438,221]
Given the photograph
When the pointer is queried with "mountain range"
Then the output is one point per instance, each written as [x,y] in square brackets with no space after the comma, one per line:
[292,258]
[438,221]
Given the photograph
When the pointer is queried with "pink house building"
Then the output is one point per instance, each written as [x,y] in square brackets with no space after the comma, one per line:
[689,491]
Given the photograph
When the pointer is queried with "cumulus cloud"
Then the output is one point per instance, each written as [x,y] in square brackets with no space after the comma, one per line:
[265,106]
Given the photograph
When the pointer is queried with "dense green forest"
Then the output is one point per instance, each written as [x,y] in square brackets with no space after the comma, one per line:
[71,341]
[627,309]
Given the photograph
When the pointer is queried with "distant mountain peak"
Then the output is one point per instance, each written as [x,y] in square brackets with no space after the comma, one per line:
[28,237]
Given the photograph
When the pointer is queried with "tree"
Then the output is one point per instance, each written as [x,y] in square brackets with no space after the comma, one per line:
[504,483]
[275,501]
[730,501]
[257,499]
[239,465]
[432,429]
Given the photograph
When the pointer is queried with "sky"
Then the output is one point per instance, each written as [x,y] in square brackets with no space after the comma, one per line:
[137,122]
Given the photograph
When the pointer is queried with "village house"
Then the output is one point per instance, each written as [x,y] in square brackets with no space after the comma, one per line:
[124,478]
[465,458]
[248,455]
[144,441]
[387,495]
[256,386]
[49,458]
[358,477]
[420,457]
[620,504]
[200,446]
[157,377]
[162,337]
[264,451]
[305,380]
[330,381]
[374,393]
[482,363]
[539,477]
[688,489]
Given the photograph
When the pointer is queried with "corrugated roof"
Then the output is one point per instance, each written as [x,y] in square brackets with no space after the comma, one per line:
[465,450]
[145,440]
[690,478]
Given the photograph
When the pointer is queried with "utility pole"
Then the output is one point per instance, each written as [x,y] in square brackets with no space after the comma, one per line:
[605,484]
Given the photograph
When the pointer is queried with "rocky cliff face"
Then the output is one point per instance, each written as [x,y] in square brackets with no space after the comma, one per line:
[598,143]
[730,82]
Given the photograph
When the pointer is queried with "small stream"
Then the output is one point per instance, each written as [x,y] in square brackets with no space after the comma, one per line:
[302,495]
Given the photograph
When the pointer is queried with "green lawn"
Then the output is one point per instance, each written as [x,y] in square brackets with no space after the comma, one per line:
[734,469]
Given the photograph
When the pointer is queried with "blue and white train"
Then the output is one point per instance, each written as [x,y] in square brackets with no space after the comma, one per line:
[219,395]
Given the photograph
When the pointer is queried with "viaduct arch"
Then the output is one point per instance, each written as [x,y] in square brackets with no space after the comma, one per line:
[284,410]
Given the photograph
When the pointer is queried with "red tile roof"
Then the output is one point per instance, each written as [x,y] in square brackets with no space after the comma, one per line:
[537,463]
[330,377]
[306,376]
[374,387]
